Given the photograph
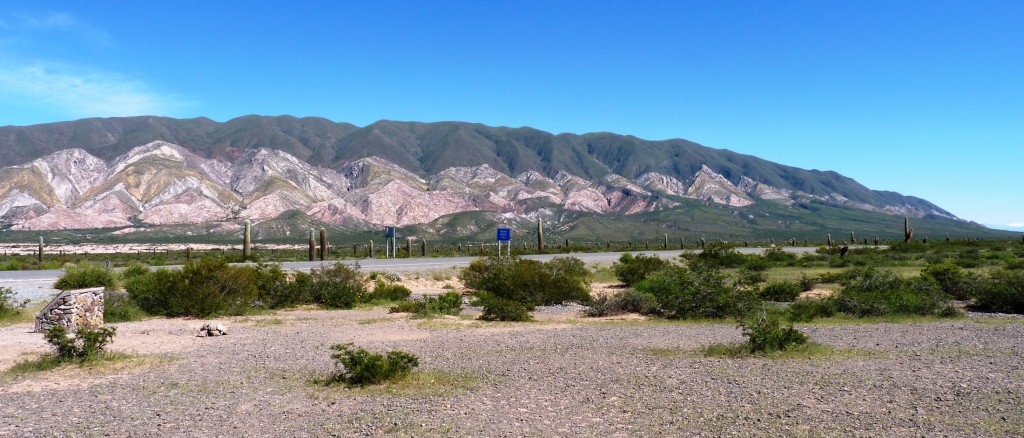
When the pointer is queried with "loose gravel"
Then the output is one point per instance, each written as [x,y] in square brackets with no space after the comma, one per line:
[561,376]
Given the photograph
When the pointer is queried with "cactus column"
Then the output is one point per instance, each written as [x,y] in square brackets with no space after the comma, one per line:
[312,246]
[247,241]
[908,232]
[40,249]
[540,235]
[323,244]
[853,239]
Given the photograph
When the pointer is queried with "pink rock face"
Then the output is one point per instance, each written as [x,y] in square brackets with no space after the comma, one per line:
[160,183]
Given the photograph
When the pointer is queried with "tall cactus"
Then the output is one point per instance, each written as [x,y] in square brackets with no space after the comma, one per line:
[908,231]
[323,244]
[247,241]
[853,239]
[666,242]
[830,242]
[540,235]
[312,246]
[40,249]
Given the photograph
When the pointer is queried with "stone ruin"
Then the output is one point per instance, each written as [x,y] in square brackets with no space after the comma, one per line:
[72,309]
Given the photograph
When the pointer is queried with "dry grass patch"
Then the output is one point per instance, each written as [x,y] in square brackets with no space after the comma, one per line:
[419,384]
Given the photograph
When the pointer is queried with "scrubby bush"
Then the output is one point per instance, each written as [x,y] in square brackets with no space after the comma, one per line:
[746,277]
[765,333]
[873,292]
[697,291]
[8,307]
[722,255]
[118,307]
[952,280]
[83,276]
[807,283]
[205,288]
[780,291]
[777,256]
[337,287]
[448,303]
[133,270]
[501,309]
[87,343]
[809,309]
[627,301]
[385,291]
[1001,291]
[357,367]
[530,282]
[631,269]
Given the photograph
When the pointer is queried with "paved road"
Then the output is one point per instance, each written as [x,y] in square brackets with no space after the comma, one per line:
[36,284]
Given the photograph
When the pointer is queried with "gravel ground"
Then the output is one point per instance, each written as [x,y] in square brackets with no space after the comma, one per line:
[561,376]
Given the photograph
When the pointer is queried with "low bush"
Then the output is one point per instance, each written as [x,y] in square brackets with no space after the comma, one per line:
[627,301]
[448,303]
[85,275]
[118,307]
[873,292]
[765,333]
[8,306]
[501,309]
[201,289]
[357,367]
[807,283]
[1001,291]
[87,343]
[777,256]
[530,282]
[951,279]
[809,309]
[748,278]
[722,255]
[337,287]
[697,291]
[631,269]
[384,291]
[782,290]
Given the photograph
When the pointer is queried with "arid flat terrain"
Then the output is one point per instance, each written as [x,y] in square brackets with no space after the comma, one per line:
[563,375]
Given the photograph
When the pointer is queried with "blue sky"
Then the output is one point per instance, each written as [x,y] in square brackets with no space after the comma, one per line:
[924,98]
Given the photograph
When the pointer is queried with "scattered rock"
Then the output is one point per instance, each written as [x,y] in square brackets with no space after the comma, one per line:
[212,329]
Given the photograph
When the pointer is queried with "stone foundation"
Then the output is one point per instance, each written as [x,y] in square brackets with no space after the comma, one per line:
[73,309]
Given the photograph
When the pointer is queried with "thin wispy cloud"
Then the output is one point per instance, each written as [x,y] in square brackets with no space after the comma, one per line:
[54,22]
[79,93]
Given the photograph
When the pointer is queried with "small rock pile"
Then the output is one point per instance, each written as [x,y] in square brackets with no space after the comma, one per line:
[212,329]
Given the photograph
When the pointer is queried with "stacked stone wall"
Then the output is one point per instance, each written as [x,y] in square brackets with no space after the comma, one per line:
[73,309]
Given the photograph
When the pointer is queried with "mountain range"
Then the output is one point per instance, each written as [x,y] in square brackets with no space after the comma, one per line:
[132,173]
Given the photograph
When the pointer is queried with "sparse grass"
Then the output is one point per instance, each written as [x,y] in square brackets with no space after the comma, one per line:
[418,384]
[22,315]
[810,350]
[666,352]
[842,319]
[103,362]
[262,322]
[369,321]
[601,273]
[377,304]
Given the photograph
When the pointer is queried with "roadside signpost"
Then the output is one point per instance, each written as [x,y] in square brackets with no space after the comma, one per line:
[505,235]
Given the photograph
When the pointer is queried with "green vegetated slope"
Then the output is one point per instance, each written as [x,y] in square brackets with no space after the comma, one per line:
[428,148]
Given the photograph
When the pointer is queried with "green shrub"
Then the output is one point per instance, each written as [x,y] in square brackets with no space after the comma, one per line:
[1017,264]
[8,307]
[756,263]
[807,283]
[695,292]
[337,287]
[357,367]
[627,301]
[632,269]
[117,307]
[530,282]
[83,276]
[722,255]
[501,309]
[780,291]
[1001,291]
[87,343]
[873,292]
[448,303]
[951,279]
[777,256]
[134,270]
[384,291]
[746,277]
[200,289]
[765,333]
[809,309]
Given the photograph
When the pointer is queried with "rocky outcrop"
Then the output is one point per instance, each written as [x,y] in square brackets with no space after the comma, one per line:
[164,184]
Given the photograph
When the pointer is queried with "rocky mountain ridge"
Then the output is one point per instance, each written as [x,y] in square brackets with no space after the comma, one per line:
[161,183]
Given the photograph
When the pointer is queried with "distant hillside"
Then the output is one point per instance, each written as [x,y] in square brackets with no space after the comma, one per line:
[430,148]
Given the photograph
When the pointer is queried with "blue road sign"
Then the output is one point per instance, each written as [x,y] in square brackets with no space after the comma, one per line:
[504,235]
